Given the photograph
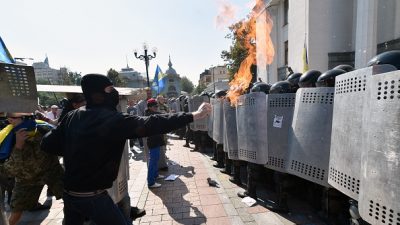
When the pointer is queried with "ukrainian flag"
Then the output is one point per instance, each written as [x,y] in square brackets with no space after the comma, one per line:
[158,81]
[5,55]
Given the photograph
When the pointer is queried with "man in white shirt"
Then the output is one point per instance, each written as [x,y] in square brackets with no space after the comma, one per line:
[53,114]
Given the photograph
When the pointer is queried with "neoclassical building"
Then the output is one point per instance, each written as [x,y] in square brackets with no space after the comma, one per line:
[132,78]
[334,31]
[172,85]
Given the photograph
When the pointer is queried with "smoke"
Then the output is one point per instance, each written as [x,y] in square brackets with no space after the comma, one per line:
[226,14]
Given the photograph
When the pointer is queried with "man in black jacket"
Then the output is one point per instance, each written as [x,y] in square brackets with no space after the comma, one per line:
[92,140]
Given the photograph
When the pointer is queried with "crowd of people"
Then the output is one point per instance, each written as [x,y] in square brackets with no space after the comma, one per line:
[89,135]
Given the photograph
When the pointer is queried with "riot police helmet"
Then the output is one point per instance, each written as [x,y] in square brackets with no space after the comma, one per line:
[389,57]
[345,67]
[261,87]
[220,93]
[327,79]
[281,87]
[309,78]
[294,81]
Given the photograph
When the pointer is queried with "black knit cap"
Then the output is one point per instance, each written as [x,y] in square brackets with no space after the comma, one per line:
[94,83]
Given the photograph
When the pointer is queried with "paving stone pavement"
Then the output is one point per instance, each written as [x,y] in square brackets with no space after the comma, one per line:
[187,200]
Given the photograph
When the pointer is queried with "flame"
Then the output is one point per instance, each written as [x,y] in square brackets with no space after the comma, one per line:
[226,15]
[242,78]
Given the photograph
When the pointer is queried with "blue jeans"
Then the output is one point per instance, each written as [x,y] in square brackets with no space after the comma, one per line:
[100,209]
[152,173]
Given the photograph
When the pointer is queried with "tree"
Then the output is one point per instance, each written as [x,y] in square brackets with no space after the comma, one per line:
[237,52]
[199,88]
[186,85]
[115,78]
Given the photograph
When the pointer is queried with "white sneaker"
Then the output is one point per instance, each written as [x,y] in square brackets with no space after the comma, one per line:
[160,176]
[155,185]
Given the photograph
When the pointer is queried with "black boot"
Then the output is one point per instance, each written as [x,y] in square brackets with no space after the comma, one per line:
[136,213]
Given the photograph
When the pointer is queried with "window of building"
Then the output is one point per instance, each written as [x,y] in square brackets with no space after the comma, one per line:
[286,52]
[285,12]
[171,80]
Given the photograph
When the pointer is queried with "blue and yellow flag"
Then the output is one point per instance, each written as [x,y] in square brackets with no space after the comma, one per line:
[305,57]
[7,134]
[5,55]
[158,81]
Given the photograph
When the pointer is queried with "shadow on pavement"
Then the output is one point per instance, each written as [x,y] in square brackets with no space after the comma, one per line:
[175,195]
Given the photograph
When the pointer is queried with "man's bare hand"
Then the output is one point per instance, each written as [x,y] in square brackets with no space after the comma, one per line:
[203,111]
[21,135]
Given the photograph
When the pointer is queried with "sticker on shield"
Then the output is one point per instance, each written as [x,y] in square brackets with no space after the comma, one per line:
[278,121]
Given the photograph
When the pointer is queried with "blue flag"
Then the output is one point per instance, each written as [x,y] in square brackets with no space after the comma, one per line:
[5,55]
[158,81]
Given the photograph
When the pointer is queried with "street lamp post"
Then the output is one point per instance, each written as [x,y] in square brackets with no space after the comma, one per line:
[146,57]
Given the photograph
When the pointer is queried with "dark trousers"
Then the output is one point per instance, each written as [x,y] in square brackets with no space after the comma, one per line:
[152,173]
[100,209]
[253,176]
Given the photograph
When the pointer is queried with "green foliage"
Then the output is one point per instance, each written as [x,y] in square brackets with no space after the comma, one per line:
[237,52]
[115,78]
[199,88]
[42,81]
[48,99]
[186,85]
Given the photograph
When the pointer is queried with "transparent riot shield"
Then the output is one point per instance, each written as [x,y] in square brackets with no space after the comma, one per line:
[251,117]
[280,109]
[310,136]
[379,199]
[230,131]
[194,103]
[346,141]
[218,130]
[17,88]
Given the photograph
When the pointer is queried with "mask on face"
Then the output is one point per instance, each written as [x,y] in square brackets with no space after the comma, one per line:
[112,99]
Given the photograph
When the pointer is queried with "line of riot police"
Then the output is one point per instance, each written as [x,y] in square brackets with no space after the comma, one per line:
[335,132]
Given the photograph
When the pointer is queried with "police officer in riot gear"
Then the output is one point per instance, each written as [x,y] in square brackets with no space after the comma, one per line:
[309,78]
[260,87]
[294,81]
[389,57]
[281,87]
[219,150]
[327,79]
[253,170]
[344,67]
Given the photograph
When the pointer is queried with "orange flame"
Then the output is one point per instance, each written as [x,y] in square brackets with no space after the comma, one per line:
[242,78]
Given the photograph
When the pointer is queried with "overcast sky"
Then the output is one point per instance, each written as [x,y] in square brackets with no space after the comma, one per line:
[92,36]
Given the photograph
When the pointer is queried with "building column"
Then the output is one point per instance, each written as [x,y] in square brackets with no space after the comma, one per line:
[366,35]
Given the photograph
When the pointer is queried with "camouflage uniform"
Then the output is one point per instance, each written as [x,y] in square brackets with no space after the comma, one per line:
[32,169]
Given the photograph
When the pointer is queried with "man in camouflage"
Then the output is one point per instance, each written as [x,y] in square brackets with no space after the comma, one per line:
[32,169]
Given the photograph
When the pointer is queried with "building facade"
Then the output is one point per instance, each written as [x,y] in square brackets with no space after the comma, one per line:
[44,72]
[216,77]
[334,32]
[132,78]
[172,85]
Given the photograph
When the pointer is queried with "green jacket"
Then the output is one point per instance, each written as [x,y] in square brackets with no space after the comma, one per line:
[30,164]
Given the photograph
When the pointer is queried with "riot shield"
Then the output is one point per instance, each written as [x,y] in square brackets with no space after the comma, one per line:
[218,130]
[379,199]
[310,136]
[346,141]
[280,109]
[17,88]
[251,113]
[194,103]
[230,131]
[211,119]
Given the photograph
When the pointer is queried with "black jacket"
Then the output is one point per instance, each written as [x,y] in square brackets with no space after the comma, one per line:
[92,141]
[155,140]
